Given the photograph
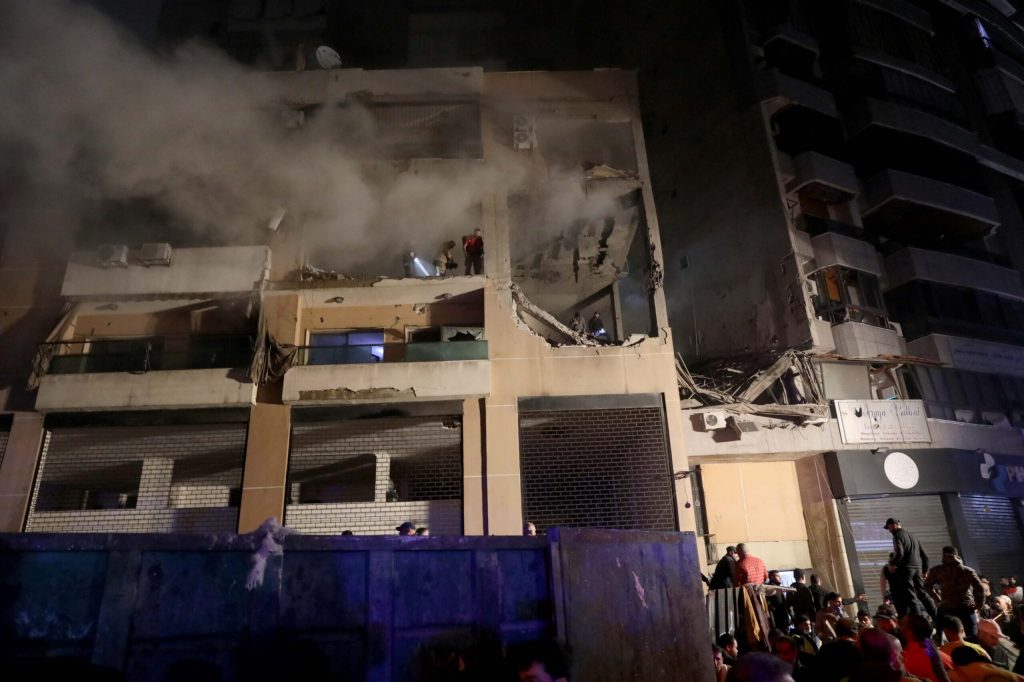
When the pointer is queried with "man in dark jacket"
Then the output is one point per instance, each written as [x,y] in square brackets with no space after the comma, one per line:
[907,566]
[960,592]
[722,577]
[801,601]
[777,602]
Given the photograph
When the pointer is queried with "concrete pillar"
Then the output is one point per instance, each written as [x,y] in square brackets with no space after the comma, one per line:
[616,297]
[266,465]
[473,429]
[18,471]
[381,477]
[502,480]
[155,485]
[825,539]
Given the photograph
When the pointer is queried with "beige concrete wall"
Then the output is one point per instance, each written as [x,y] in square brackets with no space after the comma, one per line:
[266,466]
[824,530]
[186,388]
[386,382]
[757,503]
[473,453]
[18,470]
[393,319]
[525,365]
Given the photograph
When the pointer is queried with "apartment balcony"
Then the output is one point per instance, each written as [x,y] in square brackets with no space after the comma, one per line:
[816,225]
[867,339]
[822,177]
[831,249]
[910,207]
[779,91]
[121,273]
[388,372]
[107,374]
[970,269]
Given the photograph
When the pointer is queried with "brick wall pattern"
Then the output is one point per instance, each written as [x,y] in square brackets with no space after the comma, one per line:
[139,479]
[3,444]
[597,468]
[370,475]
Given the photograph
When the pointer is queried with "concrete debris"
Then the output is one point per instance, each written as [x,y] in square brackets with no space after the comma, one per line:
[780,384]
[419,308]
[332,394]
[657,277]
[605,172]
[311,273]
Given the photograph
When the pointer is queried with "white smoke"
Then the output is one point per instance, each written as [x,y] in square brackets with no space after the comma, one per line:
[91,117]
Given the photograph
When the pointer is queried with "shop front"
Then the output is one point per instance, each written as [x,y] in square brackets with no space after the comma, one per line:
[967,498]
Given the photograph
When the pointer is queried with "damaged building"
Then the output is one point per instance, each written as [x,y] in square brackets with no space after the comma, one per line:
[843,275]
[192,388]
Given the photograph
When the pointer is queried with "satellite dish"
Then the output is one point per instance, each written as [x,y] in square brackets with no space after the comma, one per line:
[328,58]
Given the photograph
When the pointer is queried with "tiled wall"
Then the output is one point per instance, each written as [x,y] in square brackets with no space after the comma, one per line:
[370,475]
[139,479]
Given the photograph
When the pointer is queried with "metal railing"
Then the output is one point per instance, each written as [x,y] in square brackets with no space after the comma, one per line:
[440,351]
[845,312]
[815,225]
[148,355]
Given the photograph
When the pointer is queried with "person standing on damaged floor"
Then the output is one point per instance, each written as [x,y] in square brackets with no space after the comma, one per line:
[443,261]
[907,566]
[473,248]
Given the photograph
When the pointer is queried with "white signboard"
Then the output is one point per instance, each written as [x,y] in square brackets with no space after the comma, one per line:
[991,358]
[882,421]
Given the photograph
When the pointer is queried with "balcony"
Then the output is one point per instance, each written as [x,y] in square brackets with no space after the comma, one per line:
[151,373]
[924,308]
[831,249]
[195,272]
[910,207]
[388,372]
[822,177]
[815,225]
[974,269]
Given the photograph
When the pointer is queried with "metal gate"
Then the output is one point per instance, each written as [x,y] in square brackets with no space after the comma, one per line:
[994,535]
[924,516]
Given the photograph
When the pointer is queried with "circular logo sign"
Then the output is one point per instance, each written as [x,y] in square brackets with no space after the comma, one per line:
[901,470]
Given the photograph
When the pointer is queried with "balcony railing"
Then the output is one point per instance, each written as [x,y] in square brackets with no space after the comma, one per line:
[891,247]
[814,226]
[441,351]
[149,355]
[838,314]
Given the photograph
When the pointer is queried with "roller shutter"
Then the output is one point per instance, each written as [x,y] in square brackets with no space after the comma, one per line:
[924,516]
[994,535]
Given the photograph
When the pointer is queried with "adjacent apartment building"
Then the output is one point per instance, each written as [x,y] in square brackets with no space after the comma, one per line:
[844,248]
[165,388]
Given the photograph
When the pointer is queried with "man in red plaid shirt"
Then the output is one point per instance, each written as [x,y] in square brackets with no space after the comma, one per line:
[749,569]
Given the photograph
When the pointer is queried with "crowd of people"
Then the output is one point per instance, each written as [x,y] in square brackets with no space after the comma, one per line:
[940,623]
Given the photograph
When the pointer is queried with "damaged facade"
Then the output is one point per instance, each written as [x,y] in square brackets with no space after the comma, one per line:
[212,388]
[844,280]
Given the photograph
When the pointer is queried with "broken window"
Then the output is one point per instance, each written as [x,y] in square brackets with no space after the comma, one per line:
[428,130]
[848,295]
[345,347]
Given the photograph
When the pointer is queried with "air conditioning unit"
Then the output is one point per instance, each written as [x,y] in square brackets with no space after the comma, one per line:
[155,254]
[112,256]
[713,420]
[524,133]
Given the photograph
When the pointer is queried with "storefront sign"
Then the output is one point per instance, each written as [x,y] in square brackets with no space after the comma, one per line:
[882,421]
[854,473]
[991,358]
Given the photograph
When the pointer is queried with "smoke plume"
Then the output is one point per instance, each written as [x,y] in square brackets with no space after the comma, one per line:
[92,119]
